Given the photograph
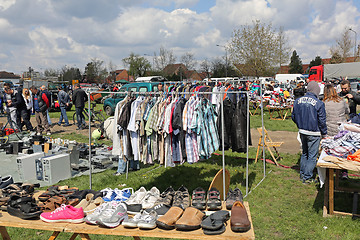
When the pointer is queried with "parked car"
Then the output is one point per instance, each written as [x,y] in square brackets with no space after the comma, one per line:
[110,103]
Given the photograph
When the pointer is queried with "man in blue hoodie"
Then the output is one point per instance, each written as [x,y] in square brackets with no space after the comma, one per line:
[310,117]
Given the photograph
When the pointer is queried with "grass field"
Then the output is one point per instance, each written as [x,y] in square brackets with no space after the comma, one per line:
[281,206]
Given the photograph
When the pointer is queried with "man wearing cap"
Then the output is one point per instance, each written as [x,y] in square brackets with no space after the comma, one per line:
[310,117]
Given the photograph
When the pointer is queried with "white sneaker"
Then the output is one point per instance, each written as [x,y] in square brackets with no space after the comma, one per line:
[123,194]
[151,197]
[147,220]
[113,215]
[93,217]
[137,197]
[132,222]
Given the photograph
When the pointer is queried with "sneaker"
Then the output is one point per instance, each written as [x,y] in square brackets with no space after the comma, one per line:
[134,205]
[151,197]
[199,198]
[117,174]
[108,194]
[65,213]
[93,217]
[147,220]
[181,198]
[122,195]
[232,197]
[132,222]
[160,209]
[113,216]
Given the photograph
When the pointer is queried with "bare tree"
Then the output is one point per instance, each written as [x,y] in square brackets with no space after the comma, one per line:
[165,58]
[188,60]
[256,49]
[342,49]
[284,49]
[205,66]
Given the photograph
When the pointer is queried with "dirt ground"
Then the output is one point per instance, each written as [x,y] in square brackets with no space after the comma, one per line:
[290,145]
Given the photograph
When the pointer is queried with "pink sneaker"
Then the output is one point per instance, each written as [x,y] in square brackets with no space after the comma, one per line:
[65,213]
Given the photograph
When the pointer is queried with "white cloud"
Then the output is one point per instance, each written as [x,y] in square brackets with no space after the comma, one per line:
[5,4]
[52,33]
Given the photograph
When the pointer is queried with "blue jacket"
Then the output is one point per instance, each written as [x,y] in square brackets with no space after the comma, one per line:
[309,115]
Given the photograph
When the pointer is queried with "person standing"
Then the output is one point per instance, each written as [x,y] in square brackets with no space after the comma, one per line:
[351,97]
[299,91]
[11,104]
[337,111]
[48,94]
[79,98]
[41,104]
[64,101]
[310,117]
[26,111]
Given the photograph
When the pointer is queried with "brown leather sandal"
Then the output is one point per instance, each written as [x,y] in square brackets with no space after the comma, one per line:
[52,203]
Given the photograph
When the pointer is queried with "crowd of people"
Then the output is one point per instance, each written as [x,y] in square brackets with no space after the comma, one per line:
[317,119]
[20,104]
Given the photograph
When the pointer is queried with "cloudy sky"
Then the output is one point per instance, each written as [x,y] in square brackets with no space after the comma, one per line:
[54,33]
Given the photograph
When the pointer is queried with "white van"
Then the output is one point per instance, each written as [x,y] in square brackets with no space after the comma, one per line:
[282,78]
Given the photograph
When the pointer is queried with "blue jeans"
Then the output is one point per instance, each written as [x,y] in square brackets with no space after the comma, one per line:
[48,117]
[63,116]
[80,117]
[310,150]
[121,166]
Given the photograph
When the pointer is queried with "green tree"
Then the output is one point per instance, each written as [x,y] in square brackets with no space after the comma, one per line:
[257,48]
[69,74]
[315,62]
[95,71]
[138,65]
[295,65]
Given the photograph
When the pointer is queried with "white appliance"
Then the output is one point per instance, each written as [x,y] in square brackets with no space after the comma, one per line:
[56,168]
[26,165]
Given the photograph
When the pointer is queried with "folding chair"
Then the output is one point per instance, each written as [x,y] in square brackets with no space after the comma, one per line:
[268,143]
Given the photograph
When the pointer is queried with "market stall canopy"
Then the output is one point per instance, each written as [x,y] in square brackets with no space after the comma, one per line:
[121,81]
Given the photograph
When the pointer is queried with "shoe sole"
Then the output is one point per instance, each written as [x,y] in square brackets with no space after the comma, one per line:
[146,225]
[184,227]
[240,229]
[133,213]
[112,225]
[129,225]
[164,225]
[200,206]
[80,220]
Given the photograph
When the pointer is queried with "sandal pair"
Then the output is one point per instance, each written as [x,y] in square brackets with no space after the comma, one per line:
[52,203]
[23,207]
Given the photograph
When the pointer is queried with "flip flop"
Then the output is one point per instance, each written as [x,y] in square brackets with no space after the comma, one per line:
[215,221]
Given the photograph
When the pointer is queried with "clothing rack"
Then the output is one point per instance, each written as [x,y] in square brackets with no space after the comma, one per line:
[222,92]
